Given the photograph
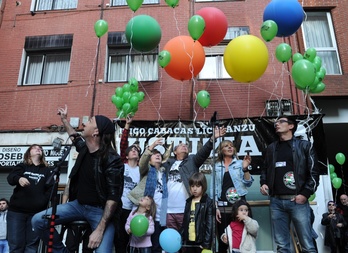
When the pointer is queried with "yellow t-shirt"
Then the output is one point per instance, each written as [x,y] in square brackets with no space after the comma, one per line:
[191,228]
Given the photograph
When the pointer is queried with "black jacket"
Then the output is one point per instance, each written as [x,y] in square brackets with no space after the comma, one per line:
[331,230]
[203,221]
[306,170]
[109,179]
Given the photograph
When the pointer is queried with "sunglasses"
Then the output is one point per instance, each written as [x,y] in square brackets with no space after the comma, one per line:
[332,204]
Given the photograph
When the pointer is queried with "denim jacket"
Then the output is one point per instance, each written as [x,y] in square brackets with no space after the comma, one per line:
[236,172]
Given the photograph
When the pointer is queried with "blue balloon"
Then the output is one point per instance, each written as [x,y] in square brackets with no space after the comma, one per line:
[170,240]
[288,14]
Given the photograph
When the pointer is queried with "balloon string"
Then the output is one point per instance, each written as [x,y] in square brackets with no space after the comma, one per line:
[181,91]
[176,22]
[150,99]
[275,88]
[93,66]
[160,97]
[343,181]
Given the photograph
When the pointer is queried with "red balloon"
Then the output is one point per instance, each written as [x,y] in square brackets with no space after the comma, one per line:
[215,26]
[187,58]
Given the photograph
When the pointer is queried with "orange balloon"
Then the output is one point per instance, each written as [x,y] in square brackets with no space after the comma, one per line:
[187,58]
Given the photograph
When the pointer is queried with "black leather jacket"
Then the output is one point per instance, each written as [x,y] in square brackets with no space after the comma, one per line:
[306,171]
[109,179]
[203,221]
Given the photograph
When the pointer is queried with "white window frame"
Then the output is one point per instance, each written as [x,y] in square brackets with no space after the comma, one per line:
[54,77]
[322,50]
[52,5]
[215,69]
[148,61]
[123,2]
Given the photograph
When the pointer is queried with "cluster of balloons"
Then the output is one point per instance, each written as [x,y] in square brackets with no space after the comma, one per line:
[307,72]
[127,98]
[170,240]
[139,225]
[336,181]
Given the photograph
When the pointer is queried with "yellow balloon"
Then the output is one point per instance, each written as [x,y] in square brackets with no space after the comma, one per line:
[246,58]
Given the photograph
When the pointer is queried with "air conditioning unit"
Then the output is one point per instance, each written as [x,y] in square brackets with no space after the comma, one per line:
[278,107]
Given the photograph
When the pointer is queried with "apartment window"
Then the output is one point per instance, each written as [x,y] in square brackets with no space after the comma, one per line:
[124,62]
[123,2]
[47,59]
[214,67]
[46,5]
[318,32]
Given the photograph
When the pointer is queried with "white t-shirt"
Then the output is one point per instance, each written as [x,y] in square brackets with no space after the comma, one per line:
[177,193]
[158,195]
[131,179]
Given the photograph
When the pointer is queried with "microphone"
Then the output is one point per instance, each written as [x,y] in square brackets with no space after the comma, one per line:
[61,160]
[213,119]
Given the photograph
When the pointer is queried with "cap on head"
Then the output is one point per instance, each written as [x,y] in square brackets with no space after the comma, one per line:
[104,125]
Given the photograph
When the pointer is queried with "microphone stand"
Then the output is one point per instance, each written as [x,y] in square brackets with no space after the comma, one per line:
[214,123]
[54,197]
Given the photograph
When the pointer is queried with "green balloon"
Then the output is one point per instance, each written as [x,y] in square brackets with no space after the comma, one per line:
[134,4]
[196,26]
[321,74]
[340,158]
[310,54]
[317,62]
[203,98]
[118,102]
[126,108]
[141,96]
[120,114]
[113,99]
[320,87]
[126,87]
[172,3]
[134,101]
[100,27]
[143,33]
[133,84]
[333,175]
[269,30]
[139,225]
[331,168]
[337,182]
[283,52]
[312,197]
[296,57]
[126,96]
[119,92]
[303,73]
[164,58]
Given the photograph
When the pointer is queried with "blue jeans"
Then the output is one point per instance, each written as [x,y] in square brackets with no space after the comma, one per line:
[73,211]
[282,213]
[4,246]
[20,235]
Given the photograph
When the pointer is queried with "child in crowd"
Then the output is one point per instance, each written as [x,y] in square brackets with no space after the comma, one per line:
[241,234]
[334,231]
[197,225]
[142,244]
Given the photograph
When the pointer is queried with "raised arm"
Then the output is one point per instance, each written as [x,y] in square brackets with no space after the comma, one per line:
[63,113]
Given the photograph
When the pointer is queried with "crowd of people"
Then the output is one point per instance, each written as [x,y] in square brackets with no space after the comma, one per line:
[107,190]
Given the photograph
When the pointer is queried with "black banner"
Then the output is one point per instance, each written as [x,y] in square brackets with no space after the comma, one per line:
[251,135]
